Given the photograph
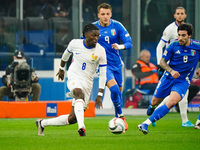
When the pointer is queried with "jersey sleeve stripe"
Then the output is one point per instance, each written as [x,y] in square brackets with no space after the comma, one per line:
[196,42]
[103,65]
[69,51]
[163,40]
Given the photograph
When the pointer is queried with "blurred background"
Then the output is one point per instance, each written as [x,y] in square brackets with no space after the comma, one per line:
[43,29]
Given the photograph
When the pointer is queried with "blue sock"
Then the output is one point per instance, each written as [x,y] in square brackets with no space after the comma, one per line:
[199,116]
[115,96]
[159,113]
[116,114]
[121,99]
[120,110]
[150,100]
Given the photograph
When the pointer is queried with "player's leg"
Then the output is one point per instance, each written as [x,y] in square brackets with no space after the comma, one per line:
[197,124]
[160,112]
[154,102]
[164,101]
[164,109]
[115,96]
[118,79]
[79,109]
[112,84]
[161,91]
[57,121]
[178,90]
[80,90]
[183,106]
[73,117]
[150,109]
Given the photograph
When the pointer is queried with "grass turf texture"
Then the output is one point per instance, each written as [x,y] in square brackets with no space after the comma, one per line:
[21,134]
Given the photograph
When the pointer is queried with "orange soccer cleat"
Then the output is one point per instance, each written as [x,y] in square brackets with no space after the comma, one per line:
[126,124]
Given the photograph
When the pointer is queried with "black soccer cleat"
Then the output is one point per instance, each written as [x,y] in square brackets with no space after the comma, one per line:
[81,131]
[197,126]
[150,110]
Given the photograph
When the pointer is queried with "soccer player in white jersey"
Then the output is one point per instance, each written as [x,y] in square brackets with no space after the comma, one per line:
[87,55]
[170,34]
[183,56]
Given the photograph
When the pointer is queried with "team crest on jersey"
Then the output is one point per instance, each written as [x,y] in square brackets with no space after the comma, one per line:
[193,52]
[113,32]
[94,57]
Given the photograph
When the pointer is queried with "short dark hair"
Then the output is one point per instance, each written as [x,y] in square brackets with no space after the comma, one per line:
[19,54]
[180,7]
[105,6]
[89,27]
[186,26]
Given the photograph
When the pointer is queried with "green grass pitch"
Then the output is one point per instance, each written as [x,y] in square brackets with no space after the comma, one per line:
[21,134]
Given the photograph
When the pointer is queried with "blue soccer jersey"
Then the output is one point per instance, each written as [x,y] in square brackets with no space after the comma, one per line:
[183,59]
[110,35]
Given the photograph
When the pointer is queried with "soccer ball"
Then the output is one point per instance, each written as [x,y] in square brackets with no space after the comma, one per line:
[116,125]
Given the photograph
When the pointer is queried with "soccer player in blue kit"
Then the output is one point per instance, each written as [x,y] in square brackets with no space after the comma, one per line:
[111,32]
[183,56]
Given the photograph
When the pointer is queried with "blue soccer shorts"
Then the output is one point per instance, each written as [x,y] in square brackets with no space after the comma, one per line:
[116,75]
[166,85]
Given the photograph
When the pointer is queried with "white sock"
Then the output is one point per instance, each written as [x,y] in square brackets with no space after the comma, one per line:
[197,122]
[79,112]
[183,106]
[163,102]
[58,121]
[147,122]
